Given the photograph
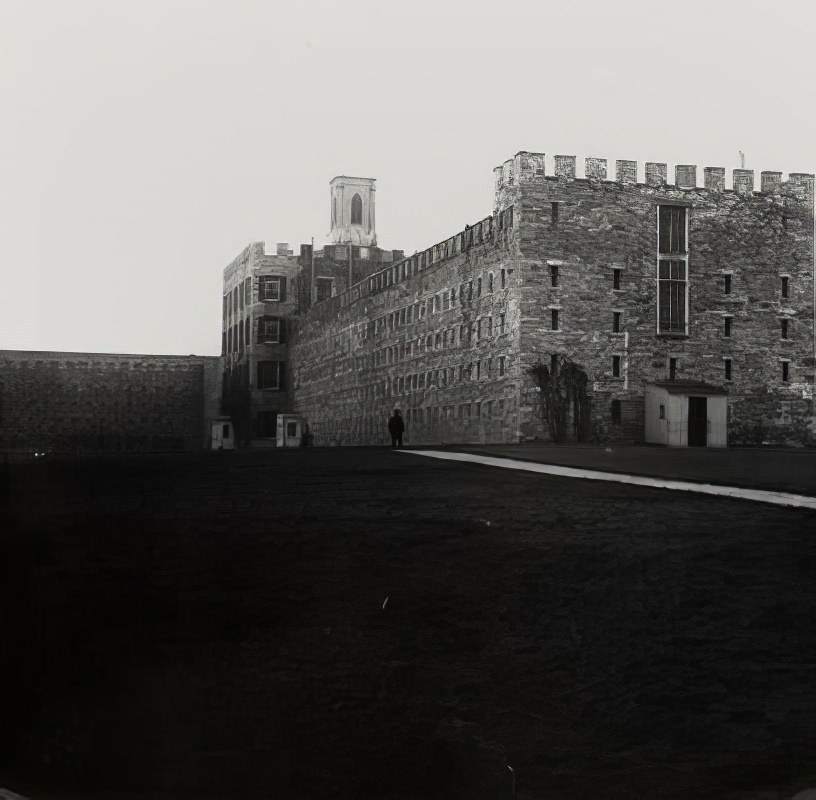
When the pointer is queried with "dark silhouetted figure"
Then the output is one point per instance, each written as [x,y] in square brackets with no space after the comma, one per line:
[395,427]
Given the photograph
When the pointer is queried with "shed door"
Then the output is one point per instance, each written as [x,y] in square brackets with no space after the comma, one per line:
[697,422]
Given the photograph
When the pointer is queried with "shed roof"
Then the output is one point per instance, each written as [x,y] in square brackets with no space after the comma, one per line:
[690,387]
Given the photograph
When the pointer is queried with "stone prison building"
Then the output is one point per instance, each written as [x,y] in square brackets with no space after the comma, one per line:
[583,309]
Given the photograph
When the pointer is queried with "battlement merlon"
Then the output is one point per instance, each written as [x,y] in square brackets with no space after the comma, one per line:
[526,166]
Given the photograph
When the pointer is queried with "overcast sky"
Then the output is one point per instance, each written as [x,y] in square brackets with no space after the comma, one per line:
[144,144]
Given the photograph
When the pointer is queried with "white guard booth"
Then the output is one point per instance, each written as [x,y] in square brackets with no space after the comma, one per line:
[290,430]
[684,414]
[222,434]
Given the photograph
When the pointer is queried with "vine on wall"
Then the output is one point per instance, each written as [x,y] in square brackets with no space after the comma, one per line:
[563,388]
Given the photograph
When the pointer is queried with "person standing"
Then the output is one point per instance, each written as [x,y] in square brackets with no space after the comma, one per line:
[396,426]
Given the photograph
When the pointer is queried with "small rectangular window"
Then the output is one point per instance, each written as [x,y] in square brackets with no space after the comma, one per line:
[554,275]
[727,364]
[616,278]
[662,412]
[616,366]
[616,412]
[785,371]
[269,330]
[269,374]
[554,214]
[554,320]
[726,284]
[324,289]
[672,369]
[784,286]
[784,324]
[616,321]
[727,331]
[269,289]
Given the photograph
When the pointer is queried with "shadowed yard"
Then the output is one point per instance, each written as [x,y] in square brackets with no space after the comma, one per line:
[359,623]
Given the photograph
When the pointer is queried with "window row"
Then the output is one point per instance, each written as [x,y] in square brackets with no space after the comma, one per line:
[784,327]
[271,288]
[461,411]
[481,232]
[784,286]
[268,330]
[728,369]
[442,301]
[237,299]
[446,376]
[484,328]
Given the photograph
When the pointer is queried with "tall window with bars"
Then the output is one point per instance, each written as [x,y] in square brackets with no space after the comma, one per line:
[672,270]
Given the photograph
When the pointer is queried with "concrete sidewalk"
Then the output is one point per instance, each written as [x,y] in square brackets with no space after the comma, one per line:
[781,470]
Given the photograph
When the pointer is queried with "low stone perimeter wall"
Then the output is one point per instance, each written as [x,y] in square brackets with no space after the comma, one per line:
[91,402]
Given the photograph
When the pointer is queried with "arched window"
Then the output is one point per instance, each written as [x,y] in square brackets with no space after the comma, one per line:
[356,210]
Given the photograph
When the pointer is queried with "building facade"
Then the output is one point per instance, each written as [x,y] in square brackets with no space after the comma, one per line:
[555,317]
[262,293]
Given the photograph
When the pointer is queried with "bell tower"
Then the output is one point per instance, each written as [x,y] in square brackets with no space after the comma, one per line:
[352,211]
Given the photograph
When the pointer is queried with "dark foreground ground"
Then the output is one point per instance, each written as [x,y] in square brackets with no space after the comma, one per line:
[359,623]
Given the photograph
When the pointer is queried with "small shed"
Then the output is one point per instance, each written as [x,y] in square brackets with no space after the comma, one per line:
[222,434]
[686,414]
[290,430]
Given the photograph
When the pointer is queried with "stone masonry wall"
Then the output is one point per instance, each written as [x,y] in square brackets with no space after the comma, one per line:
[576,232]
[435,335]
[242,345]
[91,402]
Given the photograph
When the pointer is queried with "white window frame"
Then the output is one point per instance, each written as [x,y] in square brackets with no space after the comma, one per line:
[264,283]
[668,258]
[265,338]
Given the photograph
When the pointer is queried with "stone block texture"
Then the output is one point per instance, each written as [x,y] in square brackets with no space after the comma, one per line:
[91,402]
[568,270]
[434,335]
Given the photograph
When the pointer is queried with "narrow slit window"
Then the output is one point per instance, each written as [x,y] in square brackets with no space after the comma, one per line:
[616,321]
[785,287]
[726,284]
[616,366]
[554,275]
[554,319]
[616,279]
[672,369]
[727,364]
[554,214]
[785,371]
[784,326]
[727,330]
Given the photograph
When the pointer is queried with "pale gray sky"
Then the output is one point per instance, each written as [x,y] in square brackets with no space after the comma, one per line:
[144,144]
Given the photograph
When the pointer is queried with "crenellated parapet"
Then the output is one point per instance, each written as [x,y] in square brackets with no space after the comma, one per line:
[526,167]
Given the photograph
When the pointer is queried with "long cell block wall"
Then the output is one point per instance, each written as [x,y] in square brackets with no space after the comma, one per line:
[434,335]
